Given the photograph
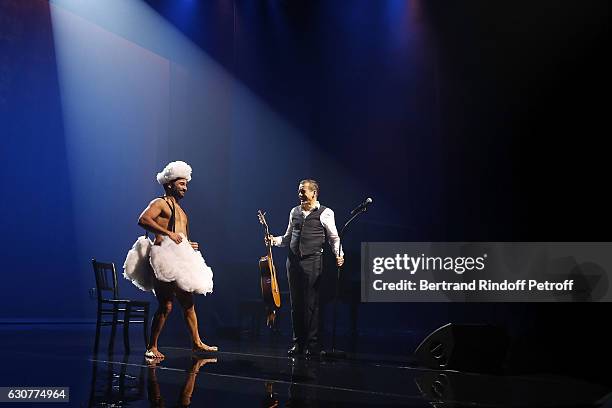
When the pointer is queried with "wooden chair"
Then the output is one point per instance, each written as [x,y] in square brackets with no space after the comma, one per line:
[123,311]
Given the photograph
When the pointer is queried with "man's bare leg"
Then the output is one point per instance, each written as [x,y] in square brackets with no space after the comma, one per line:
[164,292]
[187,390]
[186,301]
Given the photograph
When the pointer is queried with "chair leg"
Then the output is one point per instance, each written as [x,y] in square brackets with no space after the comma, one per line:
[126,328]
[94,376]
[110,373]
[98,324]
[111,343]
[122,377]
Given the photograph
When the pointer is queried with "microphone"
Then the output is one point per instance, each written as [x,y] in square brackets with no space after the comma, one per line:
[363,206]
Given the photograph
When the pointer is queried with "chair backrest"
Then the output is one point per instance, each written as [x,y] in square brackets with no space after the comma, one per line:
[106,279]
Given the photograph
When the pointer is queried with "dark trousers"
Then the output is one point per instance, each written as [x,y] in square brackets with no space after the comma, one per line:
[304,277]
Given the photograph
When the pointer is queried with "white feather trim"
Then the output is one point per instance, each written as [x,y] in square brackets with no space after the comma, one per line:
[181,263]
[173,171]
[137,267]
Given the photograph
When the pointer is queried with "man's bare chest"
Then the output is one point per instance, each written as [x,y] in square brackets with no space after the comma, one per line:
[180,217]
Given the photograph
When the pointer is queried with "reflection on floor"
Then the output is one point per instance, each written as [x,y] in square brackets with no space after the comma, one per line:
[245,375]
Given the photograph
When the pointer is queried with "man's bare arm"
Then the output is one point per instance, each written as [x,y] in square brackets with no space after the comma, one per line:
[147,220]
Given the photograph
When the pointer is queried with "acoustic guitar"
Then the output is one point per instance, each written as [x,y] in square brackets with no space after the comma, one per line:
[269,284]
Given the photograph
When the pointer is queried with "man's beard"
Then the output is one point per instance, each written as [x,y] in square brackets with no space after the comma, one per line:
[176,194]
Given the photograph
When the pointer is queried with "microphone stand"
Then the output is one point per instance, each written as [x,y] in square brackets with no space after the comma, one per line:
[334,353]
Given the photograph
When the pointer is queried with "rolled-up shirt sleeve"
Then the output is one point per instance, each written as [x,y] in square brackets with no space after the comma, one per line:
[283,240]
[329,223]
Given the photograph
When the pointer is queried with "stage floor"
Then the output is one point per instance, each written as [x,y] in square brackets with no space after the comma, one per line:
[248,373]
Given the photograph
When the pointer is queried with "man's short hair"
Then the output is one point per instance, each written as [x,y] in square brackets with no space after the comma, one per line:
[313,183]
[169,184]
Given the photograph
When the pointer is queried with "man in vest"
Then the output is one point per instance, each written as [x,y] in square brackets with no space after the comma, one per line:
[309,224]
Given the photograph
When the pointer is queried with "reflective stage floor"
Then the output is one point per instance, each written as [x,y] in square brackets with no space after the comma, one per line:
[246,374]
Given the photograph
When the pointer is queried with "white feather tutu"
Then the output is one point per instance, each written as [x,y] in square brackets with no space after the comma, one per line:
[137,267]
[181,263]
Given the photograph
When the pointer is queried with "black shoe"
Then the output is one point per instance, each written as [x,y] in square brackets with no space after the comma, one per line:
[313,351]
[294,351]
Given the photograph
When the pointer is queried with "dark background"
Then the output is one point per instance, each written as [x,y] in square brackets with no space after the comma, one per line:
[464,121]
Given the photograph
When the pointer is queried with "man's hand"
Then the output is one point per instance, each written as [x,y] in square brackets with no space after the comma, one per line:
[339,260]
[195,246]
[269,240]
[175,237]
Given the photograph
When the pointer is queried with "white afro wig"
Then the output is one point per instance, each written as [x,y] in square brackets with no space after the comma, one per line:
[173,171]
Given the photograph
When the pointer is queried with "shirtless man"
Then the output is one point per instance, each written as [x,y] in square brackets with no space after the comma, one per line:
[157,218]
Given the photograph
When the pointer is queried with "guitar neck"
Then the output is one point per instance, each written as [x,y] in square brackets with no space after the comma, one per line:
[263,221]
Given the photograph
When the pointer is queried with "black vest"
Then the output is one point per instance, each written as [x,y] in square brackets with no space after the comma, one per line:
[308,234]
